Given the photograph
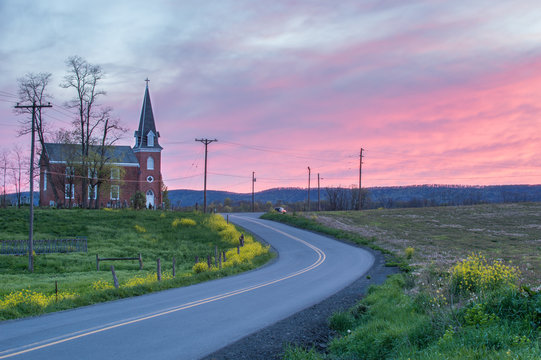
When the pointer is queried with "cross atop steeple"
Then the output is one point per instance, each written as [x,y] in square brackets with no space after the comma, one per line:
[146,137]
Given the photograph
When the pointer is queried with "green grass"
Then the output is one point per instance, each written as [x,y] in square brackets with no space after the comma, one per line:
[116,233]
[390,324]
[443,235]
[423,314]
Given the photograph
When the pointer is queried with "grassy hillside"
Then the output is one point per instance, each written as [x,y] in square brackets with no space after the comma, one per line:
[114,233]
[472,291]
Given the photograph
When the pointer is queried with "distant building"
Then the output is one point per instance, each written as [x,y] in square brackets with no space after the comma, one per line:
[111,183]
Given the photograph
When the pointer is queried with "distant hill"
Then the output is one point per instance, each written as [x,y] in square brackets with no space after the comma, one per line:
[438,195]
[392,196]
[388,197]
[277,195]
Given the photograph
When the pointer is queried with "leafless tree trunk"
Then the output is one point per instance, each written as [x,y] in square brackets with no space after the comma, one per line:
[17,172]
[111,131]
[84,78]
[4,161]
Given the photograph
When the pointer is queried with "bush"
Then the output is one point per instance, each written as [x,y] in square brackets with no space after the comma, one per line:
[477,274]
[409,252]
[138,200]
[200,267]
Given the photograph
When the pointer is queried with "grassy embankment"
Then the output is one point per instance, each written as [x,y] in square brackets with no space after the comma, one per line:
[116,233]
[452,304]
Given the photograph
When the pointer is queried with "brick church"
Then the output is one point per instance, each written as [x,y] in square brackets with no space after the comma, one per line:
[112,181]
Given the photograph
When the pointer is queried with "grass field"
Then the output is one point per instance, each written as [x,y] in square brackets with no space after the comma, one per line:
[449,304]
[114,233]
[443,235]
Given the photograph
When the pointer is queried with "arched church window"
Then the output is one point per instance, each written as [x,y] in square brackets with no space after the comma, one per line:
[150,163]
[150,138]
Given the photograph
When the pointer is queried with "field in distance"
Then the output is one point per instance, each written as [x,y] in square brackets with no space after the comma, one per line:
[444,235]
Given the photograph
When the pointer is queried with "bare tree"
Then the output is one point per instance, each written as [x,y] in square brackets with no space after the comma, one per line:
[84,78]
[100,158]
[4,163]
[17,172]
[32,89]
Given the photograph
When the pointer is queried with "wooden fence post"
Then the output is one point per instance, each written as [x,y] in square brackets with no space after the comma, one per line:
[224,257]
[208,261]
[97,263]
[196,259]
[56,289]
[115,280]
[159,270]
[174,266]
[220,261]
[215,255]
[238,249]
[140,262]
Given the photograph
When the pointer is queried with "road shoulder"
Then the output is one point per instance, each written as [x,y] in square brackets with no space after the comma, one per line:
[307,328]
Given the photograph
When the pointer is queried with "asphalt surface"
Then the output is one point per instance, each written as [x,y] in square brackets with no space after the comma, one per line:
[195,321]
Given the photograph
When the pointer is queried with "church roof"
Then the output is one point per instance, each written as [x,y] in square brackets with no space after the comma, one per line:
[117,155]
[146,125]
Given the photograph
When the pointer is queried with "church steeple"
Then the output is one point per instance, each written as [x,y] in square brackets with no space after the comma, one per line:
[146,137]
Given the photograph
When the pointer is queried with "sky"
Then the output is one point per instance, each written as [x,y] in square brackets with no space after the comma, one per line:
[435,92]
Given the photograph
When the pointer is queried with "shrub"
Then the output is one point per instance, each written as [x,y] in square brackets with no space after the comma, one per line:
[138,200]
[409,252]
[475,273]
[200,267]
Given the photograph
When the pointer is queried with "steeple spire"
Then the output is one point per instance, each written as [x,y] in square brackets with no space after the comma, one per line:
[146,137]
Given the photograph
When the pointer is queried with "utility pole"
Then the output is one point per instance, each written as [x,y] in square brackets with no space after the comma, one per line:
[309,188]
[206,142]
[34,106]
[253,182]
[318,198]
[360,174]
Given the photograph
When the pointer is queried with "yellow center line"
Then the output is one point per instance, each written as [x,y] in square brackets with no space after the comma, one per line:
[80,334]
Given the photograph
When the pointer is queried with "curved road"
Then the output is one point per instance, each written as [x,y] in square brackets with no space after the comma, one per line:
[191,322]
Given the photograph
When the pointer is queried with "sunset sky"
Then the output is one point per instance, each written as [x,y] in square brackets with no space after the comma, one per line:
[436,92]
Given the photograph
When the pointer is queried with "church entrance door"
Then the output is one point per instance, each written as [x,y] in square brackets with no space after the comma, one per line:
[150,199]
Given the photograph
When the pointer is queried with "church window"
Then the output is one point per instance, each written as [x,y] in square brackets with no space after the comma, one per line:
[69,191]
[150,163]
[92,192]
[115,192]
[45,180]
[115,174]
[70,171]
[150,138]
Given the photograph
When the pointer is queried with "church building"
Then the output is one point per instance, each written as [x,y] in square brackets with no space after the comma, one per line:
[113,180]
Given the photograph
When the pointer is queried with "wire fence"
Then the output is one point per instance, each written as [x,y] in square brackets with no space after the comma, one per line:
[20,247]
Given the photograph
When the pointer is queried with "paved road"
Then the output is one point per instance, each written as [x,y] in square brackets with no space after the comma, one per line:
[191,322]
